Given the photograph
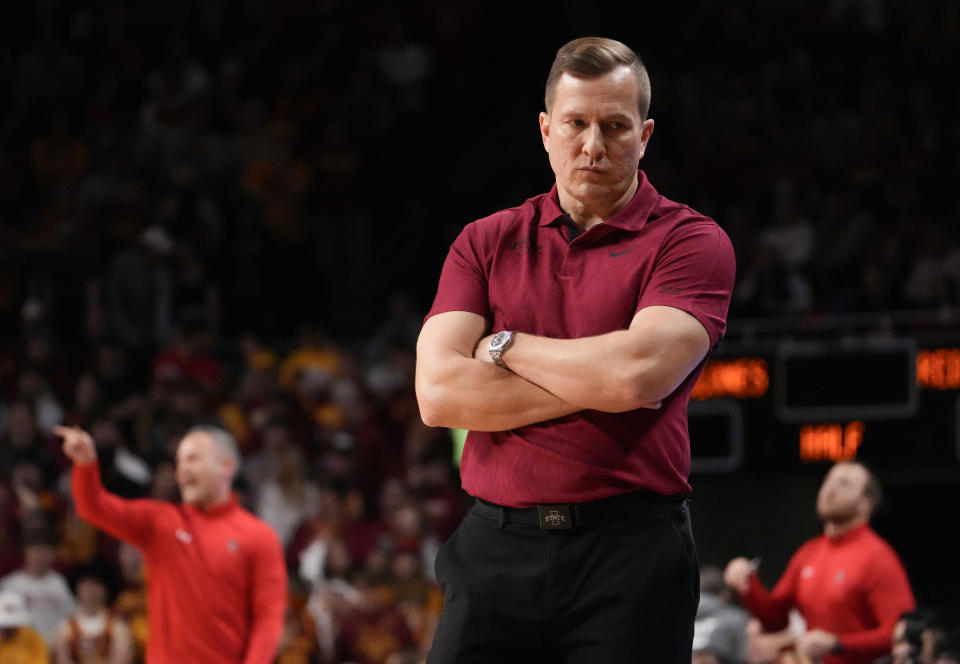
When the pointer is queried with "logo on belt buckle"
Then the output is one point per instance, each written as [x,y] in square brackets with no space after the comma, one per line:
[555,517]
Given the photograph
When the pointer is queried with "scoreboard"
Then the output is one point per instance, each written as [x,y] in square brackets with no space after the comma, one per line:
[888,403]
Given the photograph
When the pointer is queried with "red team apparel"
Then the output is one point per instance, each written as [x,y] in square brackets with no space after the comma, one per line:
[853,585]
[520,269]
[216,580]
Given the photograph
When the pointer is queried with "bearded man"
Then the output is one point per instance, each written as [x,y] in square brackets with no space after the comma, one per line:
[848,584]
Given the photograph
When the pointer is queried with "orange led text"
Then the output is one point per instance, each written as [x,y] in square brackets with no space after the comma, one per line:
[830,442]
[741,378]
[939,369]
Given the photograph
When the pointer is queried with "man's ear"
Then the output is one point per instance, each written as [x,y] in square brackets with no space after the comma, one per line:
[545,129]
[646,131]
[230,466]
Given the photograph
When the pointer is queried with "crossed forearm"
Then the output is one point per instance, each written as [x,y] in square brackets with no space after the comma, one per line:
[617,371]
[465,393]
[604,372]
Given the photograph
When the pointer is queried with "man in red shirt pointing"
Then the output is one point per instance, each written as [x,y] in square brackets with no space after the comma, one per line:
[217,584]
[848,584]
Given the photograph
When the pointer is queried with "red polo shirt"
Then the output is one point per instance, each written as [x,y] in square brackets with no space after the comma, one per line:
[519,269]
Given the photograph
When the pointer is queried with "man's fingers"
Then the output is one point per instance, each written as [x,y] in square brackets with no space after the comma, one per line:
[63,431]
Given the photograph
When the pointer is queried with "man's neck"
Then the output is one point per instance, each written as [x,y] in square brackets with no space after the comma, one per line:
[586,215]
[222,498]
[91,611]
[838,528]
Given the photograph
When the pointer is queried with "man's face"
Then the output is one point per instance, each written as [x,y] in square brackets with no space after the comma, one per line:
[900,648]
[202,469]
[91,593]
[595,136]
[841,495]
[38,558]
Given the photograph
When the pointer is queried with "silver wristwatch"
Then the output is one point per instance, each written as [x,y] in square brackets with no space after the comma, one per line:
[498,344]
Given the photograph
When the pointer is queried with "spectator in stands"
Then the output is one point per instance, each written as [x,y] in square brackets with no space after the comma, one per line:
[372,629]
[916,637]
[139,290]
[948,652]
[131,604]
[298,644]
[93,635]
[19,643]
[848,584]
[416,597]
[719,630]
[287,498]
[45,591]
[22,441]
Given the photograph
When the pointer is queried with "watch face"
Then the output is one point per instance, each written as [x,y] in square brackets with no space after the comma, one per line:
[498,339]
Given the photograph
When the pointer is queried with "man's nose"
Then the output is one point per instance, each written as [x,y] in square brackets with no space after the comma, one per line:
[593,145]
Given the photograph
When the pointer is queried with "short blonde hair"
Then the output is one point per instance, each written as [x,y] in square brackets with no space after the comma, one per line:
[223,440]
[592,57]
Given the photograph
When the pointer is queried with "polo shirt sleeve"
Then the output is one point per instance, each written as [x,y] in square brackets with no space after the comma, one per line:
[463,280]
[694,272]
[269,599]
[888,595]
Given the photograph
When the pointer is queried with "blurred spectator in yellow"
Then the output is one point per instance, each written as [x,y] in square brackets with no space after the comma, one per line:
[316,361]
[19,643]
[298,644]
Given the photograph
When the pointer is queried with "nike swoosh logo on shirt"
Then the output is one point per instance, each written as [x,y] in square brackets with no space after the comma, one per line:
[614,254]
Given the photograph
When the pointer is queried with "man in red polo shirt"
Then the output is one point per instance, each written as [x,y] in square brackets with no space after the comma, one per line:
[216,580]
[566,335]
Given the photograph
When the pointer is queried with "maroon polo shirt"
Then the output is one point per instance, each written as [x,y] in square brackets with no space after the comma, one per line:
[519,269]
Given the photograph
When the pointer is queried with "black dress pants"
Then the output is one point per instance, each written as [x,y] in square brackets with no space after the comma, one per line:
[614,590]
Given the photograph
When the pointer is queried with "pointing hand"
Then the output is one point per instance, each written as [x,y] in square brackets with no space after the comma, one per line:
[77,444]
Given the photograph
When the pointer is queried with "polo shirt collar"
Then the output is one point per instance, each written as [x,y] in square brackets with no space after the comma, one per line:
[631,217]
[219,509]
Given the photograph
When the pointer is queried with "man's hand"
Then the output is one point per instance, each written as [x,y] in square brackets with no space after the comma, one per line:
[77,444]
[816,643]
[765,647]
[737,574]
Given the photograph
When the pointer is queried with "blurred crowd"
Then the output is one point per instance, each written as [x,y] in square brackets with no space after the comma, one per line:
[360,492]
[198,204]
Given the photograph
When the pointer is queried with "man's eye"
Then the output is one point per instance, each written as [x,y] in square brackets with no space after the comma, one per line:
[578,123]
[617,125]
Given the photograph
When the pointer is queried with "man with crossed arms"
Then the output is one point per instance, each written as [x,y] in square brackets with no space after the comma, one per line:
[567,335]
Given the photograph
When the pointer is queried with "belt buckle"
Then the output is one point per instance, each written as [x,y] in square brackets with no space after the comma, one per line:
[555,517]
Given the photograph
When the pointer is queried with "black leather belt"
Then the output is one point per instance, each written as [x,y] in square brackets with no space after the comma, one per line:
[570,516]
